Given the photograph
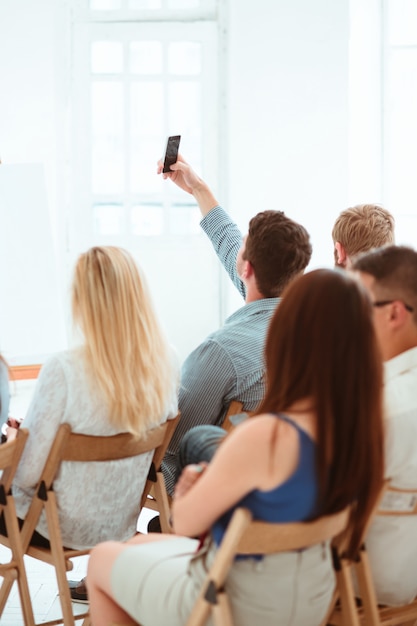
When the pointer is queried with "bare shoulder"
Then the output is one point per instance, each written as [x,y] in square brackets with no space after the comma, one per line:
[272,445]
[261,428]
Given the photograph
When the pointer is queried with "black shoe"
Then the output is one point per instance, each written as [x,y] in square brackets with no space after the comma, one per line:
[78,591]
[154,526]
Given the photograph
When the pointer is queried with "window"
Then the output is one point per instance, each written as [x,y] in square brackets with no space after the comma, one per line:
[143,70]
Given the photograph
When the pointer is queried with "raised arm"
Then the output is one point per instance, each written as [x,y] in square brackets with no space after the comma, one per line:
[223,233]
[184,176]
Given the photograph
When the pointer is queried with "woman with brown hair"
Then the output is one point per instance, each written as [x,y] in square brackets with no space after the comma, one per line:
[315,446]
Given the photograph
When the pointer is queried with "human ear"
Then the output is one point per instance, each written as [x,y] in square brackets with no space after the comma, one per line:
[247,269]
[340,254]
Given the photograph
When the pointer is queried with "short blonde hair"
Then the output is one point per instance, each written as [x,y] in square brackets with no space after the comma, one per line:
[364,227]
[126,353]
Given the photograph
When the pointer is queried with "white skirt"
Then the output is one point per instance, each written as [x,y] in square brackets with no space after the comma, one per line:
[158,584]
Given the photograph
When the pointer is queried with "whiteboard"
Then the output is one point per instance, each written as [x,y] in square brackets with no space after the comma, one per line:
[32,323]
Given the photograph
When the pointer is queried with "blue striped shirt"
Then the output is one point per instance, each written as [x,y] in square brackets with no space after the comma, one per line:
[229,364]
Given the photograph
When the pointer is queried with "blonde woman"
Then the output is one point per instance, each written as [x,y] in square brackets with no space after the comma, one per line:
[122,378]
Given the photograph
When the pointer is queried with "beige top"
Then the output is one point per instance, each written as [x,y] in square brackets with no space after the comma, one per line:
[392,540]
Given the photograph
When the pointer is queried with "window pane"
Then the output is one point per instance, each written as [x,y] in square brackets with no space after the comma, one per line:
[184,109]
[108,219]
[107,57]
[183,4]
[144,156]
[402,22]
[184,58]
[105,5]
[147,220]
[184,219]
[146,106]
[146,57]
[146,139]
[144,4]
[107,137]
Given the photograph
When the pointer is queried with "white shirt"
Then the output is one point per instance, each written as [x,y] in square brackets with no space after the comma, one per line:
[88,513]
[392,540]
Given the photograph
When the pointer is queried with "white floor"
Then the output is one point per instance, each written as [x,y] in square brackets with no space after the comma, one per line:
[41,577]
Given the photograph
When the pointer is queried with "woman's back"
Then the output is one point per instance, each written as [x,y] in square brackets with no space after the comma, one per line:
[97,501]
[294,499]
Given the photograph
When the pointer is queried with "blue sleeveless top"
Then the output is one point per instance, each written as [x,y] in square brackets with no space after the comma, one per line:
[295,500]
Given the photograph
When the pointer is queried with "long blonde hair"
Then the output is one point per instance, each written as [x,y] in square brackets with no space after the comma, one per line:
[126,353]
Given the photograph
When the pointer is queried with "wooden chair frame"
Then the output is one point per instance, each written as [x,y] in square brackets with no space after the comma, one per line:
[370,613]
[10,454]
[75,447]
[252,537]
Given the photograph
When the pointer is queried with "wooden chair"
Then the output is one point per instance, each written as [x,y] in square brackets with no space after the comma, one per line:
[10,454]
[235,407]
[252,537]
[76,447]
[393,502]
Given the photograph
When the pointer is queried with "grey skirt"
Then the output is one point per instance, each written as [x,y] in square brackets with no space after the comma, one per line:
[158,584]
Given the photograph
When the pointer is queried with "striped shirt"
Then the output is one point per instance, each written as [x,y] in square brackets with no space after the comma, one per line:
[229,364]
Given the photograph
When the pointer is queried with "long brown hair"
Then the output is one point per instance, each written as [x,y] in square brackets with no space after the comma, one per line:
[321,345]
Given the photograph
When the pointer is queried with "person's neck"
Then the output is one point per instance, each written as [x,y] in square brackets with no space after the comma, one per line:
[252,292]
[399,345]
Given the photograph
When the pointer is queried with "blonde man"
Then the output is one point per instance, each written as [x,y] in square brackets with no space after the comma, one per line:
[359,229]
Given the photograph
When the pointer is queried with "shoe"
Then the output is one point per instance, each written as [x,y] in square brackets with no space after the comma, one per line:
[154,526]
[78,591]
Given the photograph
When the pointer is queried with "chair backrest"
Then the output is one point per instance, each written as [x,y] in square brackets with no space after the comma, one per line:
[398,501]
[69,446]
[10,454]
[245,536]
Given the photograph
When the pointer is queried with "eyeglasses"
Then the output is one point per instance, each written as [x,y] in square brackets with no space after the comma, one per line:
[385,302]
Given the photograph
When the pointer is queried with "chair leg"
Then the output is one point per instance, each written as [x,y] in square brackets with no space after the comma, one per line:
[367,590]
[59,560]
[344,587]
[17,552]
[222,614]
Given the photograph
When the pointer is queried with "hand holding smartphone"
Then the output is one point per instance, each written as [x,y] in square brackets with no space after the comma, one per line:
[171,152]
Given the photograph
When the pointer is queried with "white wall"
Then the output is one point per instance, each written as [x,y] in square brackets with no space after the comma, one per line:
[288,113]
[32,114]
[286,107]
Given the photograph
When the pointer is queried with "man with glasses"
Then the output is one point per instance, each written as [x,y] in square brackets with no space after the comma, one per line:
[390,275]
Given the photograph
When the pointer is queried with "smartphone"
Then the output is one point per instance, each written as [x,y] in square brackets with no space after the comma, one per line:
[171,152]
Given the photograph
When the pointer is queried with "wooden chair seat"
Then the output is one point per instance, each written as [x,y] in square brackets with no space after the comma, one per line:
[243,535]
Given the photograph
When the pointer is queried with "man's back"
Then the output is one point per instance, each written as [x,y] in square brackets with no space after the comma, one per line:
[229,365]
[395,565]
